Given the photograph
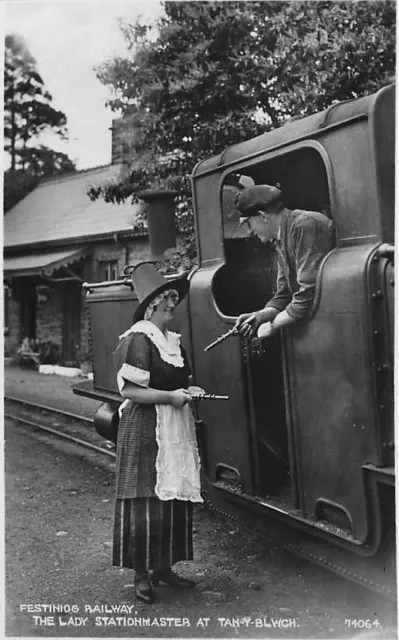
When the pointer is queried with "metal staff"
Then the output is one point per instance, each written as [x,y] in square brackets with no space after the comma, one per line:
[210,396]
[223,337]
[228,334]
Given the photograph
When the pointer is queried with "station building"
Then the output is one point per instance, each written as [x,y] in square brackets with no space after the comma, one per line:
[55,239]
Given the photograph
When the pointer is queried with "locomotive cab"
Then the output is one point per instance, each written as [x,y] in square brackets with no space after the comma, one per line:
[307,437]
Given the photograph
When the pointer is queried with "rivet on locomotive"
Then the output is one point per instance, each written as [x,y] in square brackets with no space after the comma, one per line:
[303,449]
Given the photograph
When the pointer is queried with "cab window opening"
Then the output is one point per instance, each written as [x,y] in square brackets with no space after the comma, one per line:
[247,280]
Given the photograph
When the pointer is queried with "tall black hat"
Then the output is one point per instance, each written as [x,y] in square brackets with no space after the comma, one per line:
[149,283]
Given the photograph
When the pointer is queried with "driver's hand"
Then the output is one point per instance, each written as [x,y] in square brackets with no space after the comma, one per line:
[247,324]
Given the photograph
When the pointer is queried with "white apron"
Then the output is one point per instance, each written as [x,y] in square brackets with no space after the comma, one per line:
[177,463]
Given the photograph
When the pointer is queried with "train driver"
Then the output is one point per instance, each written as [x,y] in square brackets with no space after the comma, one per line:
[302,239]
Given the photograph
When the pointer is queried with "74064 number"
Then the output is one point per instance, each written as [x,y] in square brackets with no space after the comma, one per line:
[362,623]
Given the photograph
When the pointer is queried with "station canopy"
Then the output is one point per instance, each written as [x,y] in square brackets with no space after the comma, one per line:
[40,264]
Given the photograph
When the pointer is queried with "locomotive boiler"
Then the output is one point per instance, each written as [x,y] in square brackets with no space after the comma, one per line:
[303,450]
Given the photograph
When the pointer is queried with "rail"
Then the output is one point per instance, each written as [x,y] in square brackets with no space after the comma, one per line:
[56,432]
[44,407]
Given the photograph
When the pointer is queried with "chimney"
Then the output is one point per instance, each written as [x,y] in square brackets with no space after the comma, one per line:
[160,212]
[122,140]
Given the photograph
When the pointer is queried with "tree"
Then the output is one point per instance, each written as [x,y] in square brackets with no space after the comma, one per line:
[221,72]
[38,163]
[28,113]
[16,185]
[333,51]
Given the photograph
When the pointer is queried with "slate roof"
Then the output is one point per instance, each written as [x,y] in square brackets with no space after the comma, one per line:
[60,210]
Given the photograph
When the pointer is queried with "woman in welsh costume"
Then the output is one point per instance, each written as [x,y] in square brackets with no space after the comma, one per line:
[158,466]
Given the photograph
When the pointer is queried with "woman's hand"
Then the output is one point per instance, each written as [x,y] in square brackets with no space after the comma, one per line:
[179,398]
[195,391]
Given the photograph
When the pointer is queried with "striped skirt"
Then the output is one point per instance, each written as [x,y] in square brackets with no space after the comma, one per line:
[152,534]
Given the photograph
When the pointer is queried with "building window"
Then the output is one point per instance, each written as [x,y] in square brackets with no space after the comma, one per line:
[109,270]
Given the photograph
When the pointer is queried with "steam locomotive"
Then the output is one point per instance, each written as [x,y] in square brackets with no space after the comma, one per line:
[303,450]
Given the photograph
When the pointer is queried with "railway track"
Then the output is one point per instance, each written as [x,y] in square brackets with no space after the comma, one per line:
[80,430]
[71,425]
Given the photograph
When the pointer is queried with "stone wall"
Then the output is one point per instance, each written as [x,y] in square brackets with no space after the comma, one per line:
[12,331]
[125,252]
[85,347]
[49,317]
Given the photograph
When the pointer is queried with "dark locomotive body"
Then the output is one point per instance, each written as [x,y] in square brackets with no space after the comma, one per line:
[304,448]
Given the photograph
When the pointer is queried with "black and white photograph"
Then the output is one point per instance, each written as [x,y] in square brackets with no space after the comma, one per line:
[199,319]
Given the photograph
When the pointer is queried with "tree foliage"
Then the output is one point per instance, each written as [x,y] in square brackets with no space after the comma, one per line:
[16,185]
[211,74]
[39,162]
[28,113]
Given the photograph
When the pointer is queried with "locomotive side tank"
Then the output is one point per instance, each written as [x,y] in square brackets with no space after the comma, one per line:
[304,448]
